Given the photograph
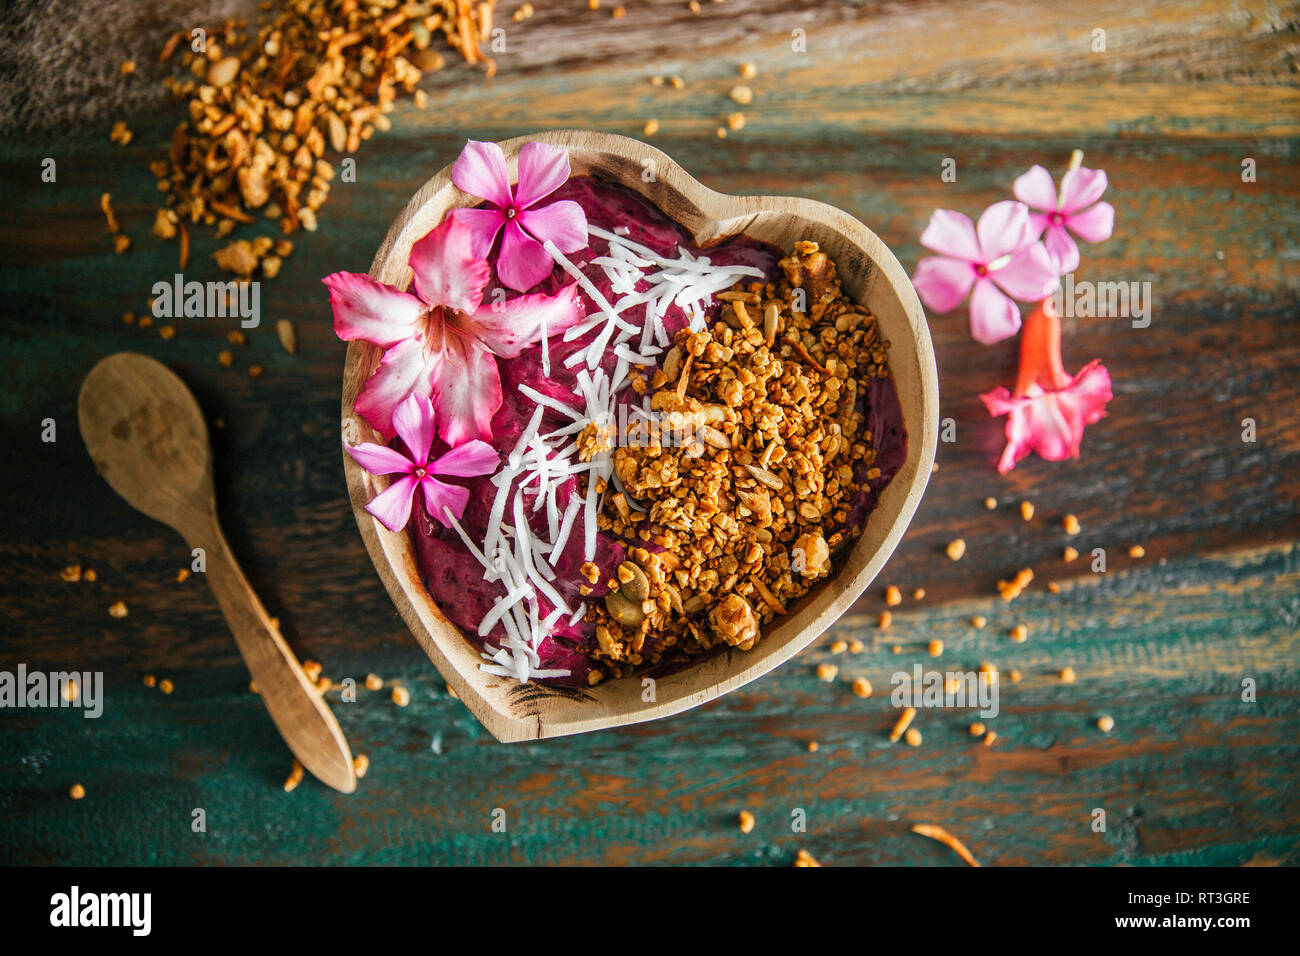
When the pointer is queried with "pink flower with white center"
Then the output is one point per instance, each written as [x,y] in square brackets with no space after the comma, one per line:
[1075,209]
[1049,408]
[999,258]
[442,343]
[524,226]
[414,421]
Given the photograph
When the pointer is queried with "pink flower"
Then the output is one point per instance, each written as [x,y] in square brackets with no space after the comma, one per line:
[998,256]
[1074,210]
[522,262]
[414,421]
[1049,409]
[442,342]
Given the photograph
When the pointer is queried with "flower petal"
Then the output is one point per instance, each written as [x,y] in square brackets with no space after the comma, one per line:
[1029,275]
[1037,224]
[413,421]
[508,327]
[1003,228]
[466,390]
[467,460]
[484,224]
[542,170]
[522,262]
[993,317]
[1062,248]
[562,222]
[446,270]
[371,311]
[1051,423]
[439,495]
[392,506]
[1035,188]
[480,170]
[1081,187]
[951,234]
[404,369]
[1095,224]
[379,459]
[1019,441]
[942,282]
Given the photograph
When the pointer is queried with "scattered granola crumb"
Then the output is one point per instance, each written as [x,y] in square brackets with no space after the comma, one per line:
[741,94]
[76,791]
[748,71]
[839,647]
[897,649]
[735,121]
[812,746]
[1053,587]
[90,576]
[295,776]
[523,13]
[886,619]
[651,127]
[918,594]
[746,822]
[903,722]
[977,729]
[947,839]
[1019,634]
[374,682]
[401,696]
[1014,676]
[856,646]
[71,574]
[676,82]
[862,687]
[312,669]
[656,80]
[255,371]
[166,686]
[935,647]
[893,596]
[804,858]
[619,12]
[990,503]
[226,358]
[120,134]
[1071,524]
[128,67]
[284,331]
[694,7]
[1027,510]
[827,672]
[150,680]
[912,737]
[1010,590]
[979,621]
[360,764]
[1070,554]
[1105,723]
[956,548]
[121,243]
[990,737]
[721,132]
[252,687]
[1137,551]
[182,575]
[1067,675]
[167,331]
[117,609]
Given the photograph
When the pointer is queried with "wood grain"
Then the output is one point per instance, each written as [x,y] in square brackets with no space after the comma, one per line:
[1191,774]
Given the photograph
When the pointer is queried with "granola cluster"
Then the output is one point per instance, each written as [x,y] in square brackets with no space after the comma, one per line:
[733,504]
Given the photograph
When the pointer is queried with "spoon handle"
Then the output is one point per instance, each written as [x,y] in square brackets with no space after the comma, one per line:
[299,710]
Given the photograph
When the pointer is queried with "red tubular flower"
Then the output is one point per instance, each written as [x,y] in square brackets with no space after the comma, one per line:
[1049,408]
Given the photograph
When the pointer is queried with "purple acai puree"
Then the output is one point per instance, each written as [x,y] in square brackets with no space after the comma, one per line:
[452,575]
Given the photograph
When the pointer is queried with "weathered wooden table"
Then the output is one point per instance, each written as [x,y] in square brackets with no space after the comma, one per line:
[864,119]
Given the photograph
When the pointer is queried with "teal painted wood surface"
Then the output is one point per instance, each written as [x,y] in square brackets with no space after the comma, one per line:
[1190,774]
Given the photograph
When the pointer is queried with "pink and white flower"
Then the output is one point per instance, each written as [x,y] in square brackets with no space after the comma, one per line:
[1000,259]
[442,342]
[1075,209]
[414,421]
[514,214]
[1049,408]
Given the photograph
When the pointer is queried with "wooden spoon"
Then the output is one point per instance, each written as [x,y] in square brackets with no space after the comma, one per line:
[147,437]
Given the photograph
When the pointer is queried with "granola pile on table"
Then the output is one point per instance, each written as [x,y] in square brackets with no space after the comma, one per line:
[736,506]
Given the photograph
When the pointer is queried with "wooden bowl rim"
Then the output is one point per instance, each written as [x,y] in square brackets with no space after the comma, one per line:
[512,711]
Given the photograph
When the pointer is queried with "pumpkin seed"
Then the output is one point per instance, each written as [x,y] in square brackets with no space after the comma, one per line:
[637,586]
[622,610]
[765,477]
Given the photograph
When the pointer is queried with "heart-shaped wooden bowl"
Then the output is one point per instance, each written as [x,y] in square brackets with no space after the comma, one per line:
[870,273]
